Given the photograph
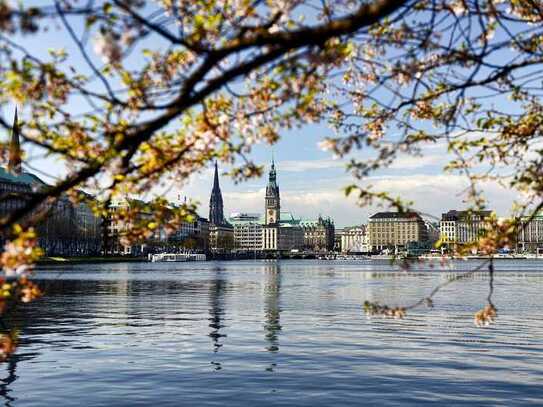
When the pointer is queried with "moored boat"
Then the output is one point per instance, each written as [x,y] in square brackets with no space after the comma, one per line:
[177,257]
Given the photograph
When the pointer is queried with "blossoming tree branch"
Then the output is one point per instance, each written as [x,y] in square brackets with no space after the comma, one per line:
[135,93]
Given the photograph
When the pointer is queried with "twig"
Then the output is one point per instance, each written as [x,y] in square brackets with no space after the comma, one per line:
[450,281]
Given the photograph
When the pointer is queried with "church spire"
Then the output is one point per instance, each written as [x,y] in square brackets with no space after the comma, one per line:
[216,179]
[14,162]
[216,210]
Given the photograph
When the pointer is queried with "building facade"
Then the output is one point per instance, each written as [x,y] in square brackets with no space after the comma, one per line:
[291,237]
[337,239]
[192,236]
[247,231]
[127,215]
[395,230]
[221,233]
[530,234]
[64,228]
[462,227]
[318,234]
[123,215]
[70,230]
[355,239]
[221,238]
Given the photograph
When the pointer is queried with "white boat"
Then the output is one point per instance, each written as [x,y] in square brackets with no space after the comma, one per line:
[177,257]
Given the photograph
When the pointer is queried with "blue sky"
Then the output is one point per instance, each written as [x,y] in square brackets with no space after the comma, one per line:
[311,180]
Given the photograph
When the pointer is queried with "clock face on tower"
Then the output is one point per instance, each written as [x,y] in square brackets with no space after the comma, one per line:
[271,218]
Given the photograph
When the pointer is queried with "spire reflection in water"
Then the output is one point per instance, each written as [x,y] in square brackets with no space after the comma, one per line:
[216,312]
[5,390]
[272,309]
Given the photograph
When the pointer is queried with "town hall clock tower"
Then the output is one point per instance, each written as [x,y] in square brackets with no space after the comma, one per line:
[273,204]
[271,229]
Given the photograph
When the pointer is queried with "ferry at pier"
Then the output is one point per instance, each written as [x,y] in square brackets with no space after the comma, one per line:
[176,257]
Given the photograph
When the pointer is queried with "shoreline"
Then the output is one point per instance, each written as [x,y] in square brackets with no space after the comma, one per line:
[57,260]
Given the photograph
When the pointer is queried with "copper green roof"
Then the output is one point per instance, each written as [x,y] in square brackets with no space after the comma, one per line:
[287,217]
[23,178]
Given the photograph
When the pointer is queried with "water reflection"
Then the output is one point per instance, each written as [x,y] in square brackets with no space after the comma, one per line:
[146,334]
[19,321]
[216,311]
[272,309]
[5,390]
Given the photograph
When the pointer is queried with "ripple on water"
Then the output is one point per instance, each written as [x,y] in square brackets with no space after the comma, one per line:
[283,334]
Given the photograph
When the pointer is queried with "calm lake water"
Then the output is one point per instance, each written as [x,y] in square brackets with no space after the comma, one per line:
[290,333]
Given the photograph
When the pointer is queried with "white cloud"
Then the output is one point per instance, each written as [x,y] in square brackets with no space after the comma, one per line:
[309,165]
[437,193]
[431,194]
[402,162]
[307,195]
[409,162]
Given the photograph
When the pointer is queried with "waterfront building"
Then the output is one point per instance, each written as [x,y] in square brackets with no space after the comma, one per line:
[318,234]
[221,233]
[191,235]
[247,231]
[530,234]
[280,232]
[395,230]
[71,229]
[221,238]
[127,215]
[337,239]
[203,234]
[355,239]
[433,232]
[462,227]
[291,234]
[123,215]
[63,228]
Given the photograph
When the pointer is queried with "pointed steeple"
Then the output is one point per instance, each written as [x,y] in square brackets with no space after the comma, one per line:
[272,189]
[273,173]
[216,214]
[14,161]
[216,179]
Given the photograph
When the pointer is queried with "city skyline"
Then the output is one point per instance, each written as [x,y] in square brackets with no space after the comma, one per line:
[314,186]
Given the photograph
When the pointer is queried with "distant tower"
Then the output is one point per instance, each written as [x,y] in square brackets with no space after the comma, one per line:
[273,204]
[216,214]
[14,160]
